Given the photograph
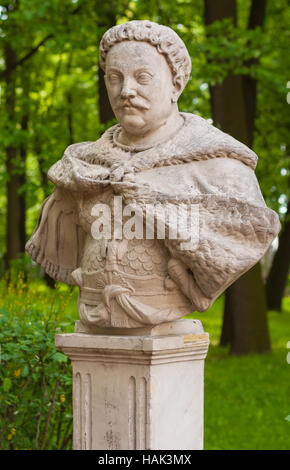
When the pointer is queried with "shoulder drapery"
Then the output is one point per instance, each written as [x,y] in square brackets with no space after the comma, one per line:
[232,227]
[199,166]
[57,241]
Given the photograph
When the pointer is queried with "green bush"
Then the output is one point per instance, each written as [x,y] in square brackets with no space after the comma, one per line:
[35,377]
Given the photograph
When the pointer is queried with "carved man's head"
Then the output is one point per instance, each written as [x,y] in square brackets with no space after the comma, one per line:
[146,68]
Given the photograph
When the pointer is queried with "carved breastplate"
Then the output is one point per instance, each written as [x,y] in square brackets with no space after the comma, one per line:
[136,257]
[124,283]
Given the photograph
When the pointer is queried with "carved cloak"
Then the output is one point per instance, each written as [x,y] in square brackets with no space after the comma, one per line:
[199,165]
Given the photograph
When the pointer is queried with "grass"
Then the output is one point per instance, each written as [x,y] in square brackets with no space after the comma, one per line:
[247,398]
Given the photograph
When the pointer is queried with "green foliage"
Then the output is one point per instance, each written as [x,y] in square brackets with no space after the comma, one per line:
[35,378]
[273,119]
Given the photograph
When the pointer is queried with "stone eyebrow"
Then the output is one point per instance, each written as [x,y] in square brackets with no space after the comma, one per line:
[114,69]
[145,68]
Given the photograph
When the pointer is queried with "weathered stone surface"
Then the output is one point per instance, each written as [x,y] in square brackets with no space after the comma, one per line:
[156,160]
[137,392]
[178,327]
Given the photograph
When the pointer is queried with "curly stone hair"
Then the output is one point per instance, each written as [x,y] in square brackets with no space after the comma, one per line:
[166,41]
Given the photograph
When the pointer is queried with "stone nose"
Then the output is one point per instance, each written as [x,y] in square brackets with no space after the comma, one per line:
[128,90]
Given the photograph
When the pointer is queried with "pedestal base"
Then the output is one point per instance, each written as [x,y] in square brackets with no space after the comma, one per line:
[138,392]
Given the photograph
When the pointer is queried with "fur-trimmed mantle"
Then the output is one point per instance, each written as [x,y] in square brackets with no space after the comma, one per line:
[198,165]
[88,164]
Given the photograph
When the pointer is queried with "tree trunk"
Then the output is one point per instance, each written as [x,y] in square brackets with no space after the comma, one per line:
[278,275]
[246,329]
[25,82]
[69,98]
[228,107]
[105,110]
[214,11]
[233,109]
[15,220]
[256,19]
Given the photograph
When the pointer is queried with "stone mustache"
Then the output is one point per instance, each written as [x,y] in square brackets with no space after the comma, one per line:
[160,157]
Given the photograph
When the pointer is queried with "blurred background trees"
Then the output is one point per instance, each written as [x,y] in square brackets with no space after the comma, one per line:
[52,94]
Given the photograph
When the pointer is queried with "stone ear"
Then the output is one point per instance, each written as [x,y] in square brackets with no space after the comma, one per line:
[178,83]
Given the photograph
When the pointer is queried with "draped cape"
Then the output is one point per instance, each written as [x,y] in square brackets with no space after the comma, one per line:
[199,166]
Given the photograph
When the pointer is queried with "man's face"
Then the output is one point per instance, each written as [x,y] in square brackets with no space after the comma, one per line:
[140,87]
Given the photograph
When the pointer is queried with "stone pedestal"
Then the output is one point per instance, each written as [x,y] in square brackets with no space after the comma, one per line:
[142,390]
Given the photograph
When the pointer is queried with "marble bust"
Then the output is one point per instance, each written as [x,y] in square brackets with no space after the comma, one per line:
[155,160]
